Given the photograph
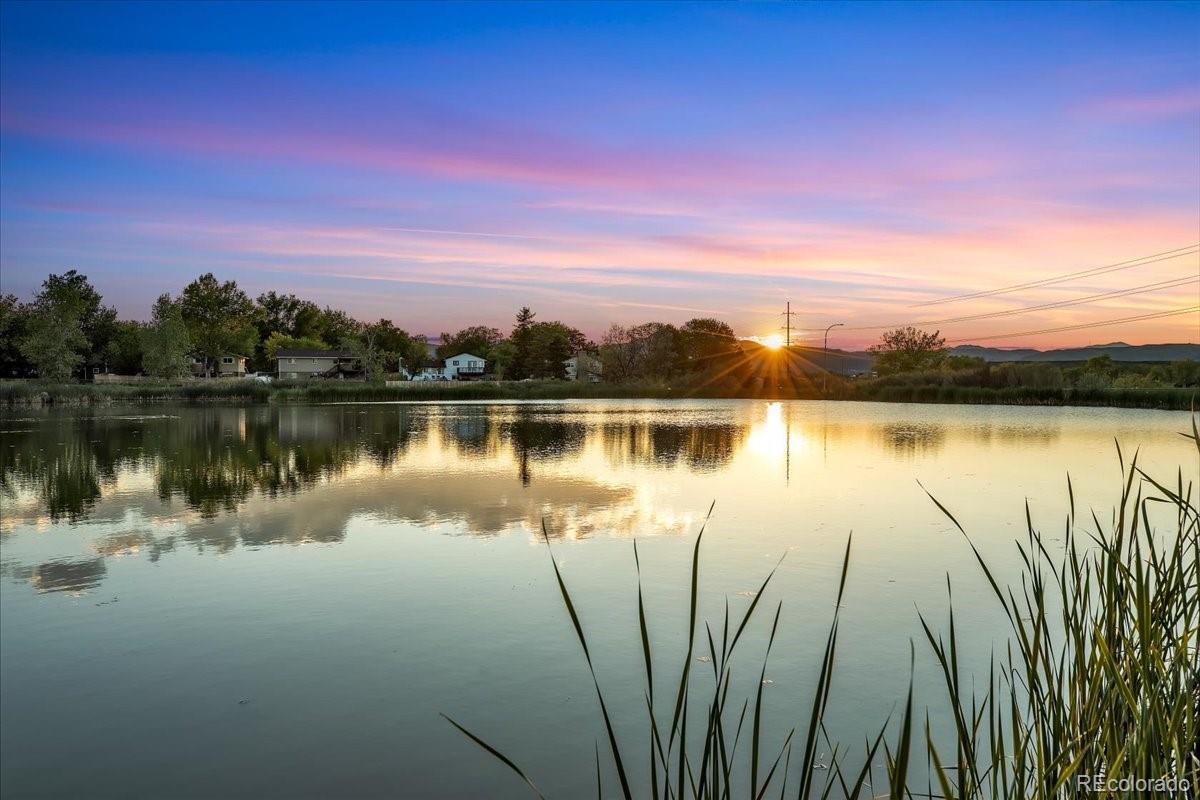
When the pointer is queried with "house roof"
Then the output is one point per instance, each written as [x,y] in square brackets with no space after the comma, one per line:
[307,352]
[468,355]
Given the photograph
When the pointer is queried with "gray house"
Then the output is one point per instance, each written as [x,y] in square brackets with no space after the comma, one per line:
[305,363]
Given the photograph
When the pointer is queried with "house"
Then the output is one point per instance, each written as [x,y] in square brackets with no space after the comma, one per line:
[432,370]
[301,363]
[583,367]
[461,367]
[465,366]
[230,365]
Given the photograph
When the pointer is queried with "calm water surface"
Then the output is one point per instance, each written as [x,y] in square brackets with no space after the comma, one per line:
[250,602]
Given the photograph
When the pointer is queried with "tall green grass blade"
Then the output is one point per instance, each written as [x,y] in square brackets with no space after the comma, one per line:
[496,754]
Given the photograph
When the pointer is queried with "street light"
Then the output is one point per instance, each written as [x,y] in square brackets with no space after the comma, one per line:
[825,358]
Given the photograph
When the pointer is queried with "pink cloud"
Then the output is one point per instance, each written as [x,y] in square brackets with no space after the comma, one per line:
[1149,106]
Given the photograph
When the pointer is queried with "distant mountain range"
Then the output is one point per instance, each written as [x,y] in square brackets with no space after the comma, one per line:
[1118,351]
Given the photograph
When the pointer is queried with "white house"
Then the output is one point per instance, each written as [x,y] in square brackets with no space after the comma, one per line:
[463,366]
[583,367]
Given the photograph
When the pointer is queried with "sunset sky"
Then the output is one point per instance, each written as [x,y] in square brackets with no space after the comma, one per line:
[443,165]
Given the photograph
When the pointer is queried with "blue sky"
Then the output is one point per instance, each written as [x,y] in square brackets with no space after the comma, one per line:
[441,165]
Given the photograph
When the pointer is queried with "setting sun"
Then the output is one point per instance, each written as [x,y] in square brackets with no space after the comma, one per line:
[774,341]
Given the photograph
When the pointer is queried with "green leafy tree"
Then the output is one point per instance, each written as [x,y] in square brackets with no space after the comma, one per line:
[54,342]
[75,296]
[477,340]
[278,313]
[549,349]
[281,341]
[165,340]
[1102,365]
[123,353]
[219,318]
[500,359]
[282,313]
[522,342]
[396,347]
[14,326]
[1185,372]
[550,345]
[367,352]
[908,349]
[335,326]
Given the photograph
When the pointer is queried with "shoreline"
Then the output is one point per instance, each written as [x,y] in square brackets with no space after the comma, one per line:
[26,395]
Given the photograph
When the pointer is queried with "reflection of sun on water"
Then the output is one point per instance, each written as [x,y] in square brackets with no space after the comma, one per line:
[771,437]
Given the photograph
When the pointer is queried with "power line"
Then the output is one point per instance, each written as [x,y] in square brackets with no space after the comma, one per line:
[1101,324]
[1149,287]
[1154,258]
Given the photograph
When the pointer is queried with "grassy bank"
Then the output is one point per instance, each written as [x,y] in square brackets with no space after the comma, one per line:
[1167,397]
[1097,677]
[15,393]
[18,393]
[334,392]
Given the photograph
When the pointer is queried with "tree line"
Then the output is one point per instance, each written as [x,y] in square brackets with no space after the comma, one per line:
[916,356]
[66,332]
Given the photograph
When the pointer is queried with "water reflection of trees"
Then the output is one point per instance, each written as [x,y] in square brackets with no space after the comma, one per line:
[911,438]
[701,447]
[215,459]
[539,437]
[66,460]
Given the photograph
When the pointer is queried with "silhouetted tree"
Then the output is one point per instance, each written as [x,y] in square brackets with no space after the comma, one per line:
[908,349]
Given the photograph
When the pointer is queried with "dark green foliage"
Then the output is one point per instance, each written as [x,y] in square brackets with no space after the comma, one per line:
[73,295]
[14,327]
[166,343]
[54,342]
[521,338]
[219,318]
[478,340]
[536,349]
[123,352]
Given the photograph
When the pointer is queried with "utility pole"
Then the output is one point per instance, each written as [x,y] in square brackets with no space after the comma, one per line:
[825,358]
[787,316]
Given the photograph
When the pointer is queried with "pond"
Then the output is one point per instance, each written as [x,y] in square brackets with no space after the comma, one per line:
[279,601]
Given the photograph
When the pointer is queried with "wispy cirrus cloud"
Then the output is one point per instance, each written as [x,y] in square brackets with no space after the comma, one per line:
[461,178]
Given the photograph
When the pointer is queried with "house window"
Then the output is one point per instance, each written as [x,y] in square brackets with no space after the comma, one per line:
[227,360]
[291,361]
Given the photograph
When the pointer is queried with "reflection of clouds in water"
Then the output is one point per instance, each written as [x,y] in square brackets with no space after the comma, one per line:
[481,504]
[215,479]
[60,575]
[134,543]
